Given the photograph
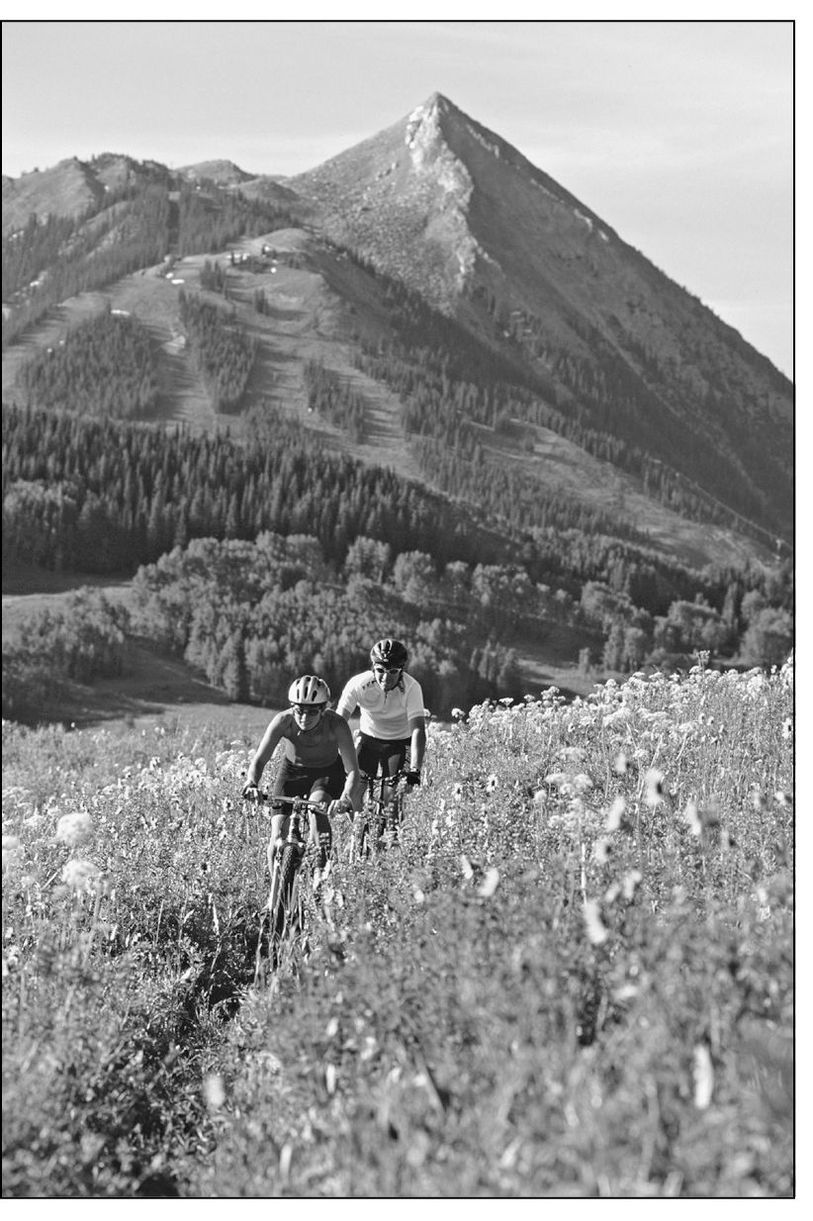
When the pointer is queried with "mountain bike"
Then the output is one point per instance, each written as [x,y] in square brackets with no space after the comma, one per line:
[377,824]
[284,924]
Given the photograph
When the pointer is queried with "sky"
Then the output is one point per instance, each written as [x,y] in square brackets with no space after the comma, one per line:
[678,133]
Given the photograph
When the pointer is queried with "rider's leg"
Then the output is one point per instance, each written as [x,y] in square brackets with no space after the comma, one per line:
[324,788]
[285,785]
[321,832]
[279,829]
[393,762]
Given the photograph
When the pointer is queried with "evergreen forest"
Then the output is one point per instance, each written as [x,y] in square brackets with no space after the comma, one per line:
[260,555]
[113,497]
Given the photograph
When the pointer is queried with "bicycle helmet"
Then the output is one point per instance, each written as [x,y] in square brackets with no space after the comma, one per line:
[390,654]
[309,689]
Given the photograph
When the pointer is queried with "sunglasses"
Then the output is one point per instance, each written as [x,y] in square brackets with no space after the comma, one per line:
[388,669]
[307,709]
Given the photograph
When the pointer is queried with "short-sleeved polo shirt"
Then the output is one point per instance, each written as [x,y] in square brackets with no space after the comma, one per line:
[383,714]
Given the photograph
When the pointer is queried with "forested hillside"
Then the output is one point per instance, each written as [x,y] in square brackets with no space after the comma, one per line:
[106,365]
[549,483]
[106,497]
[52,257]
[457,395]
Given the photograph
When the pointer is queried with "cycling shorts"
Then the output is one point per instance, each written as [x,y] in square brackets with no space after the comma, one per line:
[294,780]
[388,754]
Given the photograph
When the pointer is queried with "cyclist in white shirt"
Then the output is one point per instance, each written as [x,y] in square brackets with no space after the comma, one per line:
[392,721]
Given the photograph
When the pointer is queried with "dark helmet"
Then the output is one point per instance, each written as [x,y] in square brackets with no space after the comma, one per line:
[309,689]
[390,654]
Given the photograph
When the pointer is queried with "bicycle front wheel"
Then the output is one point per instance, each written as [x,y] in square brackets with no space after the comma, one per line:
[281,902]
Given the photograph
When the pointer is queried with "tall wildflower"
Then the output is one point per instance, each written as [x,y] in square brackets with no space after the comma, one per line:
[74,829]
[81,875]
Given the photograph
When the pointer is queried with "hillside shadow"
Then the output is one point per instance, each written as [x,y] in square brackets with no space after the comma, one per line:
[280,314]
[21,580]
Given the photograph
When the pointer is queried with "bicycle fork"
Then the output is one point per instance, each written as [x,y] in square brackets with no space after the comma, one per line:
[281,916]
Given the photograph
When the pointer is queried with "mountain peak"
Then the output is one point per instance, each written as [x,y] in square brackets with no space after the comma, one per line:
[432,114]
[436,102]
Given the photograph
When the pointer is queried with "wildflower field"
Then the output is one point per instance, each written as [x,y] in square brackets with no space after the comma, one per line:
[574,978]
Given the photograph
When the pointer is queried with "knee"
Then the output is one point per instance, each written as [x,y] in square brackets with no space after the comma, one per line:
[271,850]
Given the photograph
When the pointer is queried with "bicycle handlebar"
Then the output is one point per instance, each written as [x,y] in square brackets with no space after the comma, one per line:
[296,803]
[403,774]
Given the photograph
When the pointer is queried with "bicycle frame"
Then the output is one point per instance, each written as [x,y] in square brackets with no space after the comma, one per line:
[380,815]
[285,909]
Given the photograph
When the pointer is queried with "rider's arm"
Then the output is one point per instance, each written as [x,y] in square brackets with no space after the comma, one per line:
[417,729]
[417,724]
[270,740]
[347,751]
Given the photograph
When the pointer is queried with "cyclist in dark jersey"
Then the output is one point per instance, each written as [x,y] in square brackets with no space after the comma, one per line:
[319,761]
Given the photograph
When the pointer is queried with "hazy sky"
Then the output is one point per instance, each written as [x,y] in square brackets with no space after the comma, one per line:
[679,134]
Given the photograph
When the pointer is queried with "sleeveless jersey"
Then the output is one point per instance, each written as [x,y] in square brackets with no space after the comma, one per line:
[318,747]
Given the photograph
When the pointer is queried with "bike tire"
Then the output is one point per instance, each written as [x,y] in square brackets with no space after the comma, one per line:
[280,903]
[360,841]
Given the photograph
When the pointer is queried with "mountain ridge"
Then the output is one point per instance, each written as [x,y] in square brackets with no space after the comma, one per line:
[604,339]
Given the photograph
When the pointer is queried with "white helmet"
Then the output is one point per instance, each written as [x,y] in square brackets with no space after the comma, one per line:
[309,689]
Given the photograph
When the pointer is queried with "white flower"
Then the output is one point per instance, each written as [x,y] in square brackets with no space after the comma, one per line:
[12,850]
[80,874]
[596,931]
[489,883]
[703,1077]
[615,814]
[756,681]
[491,783]
[601,850]
[74,829]
[457,713]
[654,787]
[692,818]
[214,1091]
[629,883]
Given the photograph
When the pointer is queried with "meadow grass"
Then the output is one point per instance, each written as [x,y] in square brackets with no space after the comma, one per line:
[574,978]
